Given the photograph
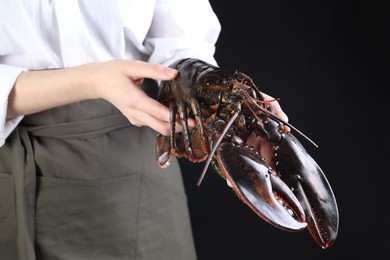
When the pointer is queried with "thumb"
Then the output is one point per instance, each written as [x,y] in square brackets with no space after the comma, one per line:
[140,69]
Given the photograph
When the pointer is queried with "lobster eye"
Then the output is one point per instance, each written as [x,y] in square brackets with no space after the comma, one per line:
[223,97]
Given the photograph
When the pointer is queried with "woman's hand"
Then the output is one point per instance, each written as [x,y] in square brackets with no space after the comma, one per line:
[119,82]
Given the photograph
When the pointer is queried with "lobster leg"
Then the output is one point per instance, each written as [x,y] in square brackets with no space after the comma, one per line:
[257,187]
[182,109]
[164,143]
[299,170]
[191,144]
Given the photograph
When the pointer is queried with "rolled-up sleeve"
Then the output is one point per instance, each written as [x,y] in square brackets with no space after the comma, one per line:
[182,29]
[8,76]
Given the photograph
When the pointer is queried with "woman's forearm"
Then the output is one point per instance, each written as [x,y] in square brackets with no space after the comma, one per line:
[35,91]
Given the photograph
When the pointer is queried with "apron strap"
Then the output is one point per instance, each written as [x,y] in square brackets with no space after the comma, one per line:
[24,179]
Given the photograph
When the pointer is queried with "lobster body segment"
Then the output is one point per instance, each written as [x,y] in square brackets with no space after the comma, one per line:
[228,108]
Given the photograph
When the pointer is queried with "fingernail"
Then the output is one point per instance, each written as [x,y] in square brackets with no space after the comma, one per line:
[170,72]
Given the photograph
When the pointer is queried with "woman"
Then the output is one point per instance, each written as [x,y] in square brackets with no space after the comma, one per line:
[78,177]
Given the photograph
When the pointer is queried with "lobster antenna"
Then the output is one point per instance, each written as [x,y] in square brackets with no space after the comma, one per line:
[216,145]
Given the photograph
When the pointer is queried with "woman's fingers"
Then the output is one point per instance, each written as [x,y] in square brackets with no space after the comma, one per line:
[147,111]
[142,118]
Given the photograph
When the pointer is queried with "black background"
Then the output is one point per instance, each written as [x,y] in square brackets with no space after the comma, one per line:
[323,60]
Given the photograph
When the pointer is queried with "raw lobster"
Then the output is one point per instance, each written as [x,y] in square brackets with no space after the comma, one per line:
[228,108]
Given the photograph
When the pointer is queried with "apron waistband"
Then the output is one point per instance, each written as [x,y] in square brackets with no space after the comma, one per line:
[78,129]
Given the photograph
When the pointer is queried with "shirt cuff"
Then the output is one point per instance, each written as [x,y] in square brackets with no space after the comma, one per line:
[8,76]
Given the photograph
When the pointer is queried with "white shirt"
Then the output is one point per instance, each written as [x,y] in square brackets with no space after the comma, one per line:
[41,34]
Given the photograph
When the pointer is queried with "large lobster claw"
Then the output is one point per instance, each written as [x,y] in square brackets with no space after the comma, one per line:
[256,186]
[308,182]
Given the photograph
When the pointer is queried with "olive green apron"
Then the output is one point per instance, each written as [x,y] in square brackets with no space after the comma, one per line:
[80,182]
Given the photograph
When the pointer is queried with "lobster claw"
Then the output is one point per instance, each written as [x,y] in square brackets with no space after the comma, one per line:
[256,186]
[309,184]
